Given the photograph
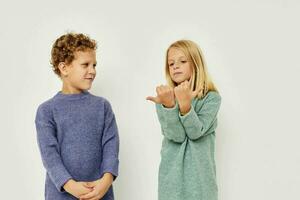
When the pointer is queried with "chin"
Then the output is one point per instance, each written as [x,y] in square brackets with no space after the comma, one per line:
[87,87]
[178,81]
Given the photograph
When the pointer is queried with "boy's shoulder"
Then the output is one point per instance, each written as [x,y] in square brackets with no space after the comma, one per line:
[103,102]
[100,99]
[45,106]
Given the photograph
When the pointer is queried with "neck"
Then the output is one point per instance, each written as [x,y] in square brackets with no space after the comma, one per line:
[66,89]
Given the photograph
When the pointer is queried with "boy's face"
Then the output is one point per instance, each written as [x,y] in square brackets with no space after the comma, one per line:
[180,68]
[81,72]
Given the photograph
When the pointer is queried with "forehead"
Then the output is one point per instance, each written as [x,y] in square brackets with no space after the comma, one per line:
[175,53]
[86,54]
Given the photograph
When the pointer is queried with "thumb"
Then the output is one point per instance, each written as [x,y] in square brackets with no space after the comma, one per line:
[153,99]
[90,184]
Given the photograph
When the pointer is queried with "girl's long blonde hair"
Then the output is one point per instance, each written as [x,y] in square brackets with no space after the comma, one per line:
[200,77]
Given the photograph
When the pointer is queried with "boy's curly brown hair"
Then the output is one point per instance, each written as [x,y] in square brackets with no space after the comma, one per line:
[65,46]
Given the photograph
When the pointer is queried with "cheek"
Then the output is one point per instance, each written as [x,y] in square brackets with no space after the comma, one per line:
[170,71]
[78,74]
[188,70]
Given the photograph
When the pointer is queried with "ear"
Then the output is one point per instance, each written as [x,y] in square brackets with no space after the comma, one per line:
[63,69]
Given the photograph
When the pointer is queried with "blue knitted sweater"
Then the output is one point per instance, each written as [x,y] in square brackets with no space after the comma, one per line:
[78,138]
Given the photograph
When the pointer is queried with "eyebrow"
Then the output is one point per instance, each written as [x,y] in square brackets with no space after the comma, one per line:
[87,62]
[179,58]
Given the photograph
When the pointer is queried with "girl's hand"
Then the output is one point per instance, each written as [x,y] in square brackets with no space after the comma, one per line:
[165,96]
[77,188]
[100,187]
[184,96]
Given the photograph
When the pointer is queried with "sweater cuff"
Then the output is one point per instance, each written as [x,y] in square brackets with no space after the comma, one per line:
[61,182]
[59,177]
[110,166]
[188,120]
[169,114]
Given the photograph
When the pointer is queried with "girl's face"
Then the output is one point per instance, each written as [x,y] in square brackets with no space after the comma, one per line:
[180,68]
[81,71]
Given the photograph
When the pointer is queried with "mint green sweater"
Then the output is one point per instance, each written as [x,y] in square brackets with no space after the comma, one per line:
[187,169]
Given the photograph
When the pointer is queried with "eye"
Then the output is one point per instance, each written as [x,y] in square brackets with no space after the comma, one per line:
[94,65]
[171,64]
[183,61]
[85,65]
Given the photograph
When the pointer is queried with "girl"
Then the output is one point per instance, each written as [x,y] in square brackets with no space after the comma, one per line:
[187,110]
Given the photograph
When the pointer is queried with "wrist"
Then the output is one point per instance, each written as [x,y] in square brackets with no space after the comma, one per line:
[69,184]
[169,105]
[184,109]
[108,177]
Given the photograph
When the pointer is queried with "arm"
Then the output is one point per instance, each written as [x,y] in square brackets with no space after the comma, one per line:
[197,124]
[110,144]
[49,149]
[170,124]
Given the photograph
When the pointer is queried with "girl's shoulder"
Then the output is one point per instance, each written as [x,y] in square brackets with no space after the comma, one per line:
[210,97]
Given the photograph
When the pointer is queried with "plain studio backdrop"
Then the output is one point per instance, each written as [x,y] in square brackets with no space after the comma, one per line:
[251,49]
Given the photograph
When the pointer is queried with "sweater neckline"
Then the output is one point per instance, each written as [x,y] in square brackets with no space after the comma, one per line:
[81,95]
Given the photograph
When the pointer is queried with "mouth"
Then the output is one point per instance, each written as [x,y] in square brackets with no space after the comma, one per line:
[90,79]
[177,73]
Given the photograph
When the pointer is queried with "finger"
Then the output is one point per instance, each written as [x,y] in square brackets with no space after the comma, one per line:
[84,193]
[176,91]
[89,195]
[87,184]
[177,88]
[96,198]
[171,88]
[164,88]
[153,99]
[181,84]
[186,84]
[168,89]
[158,89]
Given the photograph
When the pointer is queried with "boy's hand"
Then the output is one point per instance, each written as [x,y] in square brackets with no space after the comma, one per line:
[184,96]
[100,187]
[77,188]
[165,96]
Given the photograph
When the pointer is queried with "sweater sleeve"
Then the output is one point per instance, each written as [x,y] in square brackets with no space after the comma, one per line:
[49,149]
[197,123]
[170,123]
[110,143]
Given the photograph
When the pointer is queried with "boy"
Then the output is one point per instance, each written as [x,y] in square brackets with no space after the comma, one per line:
[76,131]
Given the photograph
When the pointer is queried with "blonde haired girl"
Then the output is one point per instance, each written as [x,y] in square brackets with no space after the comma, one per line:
[187,110]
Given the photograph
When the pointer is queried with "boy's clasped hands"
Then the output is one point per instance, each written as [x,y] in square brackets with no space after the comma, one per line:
[89,190]
[166,96]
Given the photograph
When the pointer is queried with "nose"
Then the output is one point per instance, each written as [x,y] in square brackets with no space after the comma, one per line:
[176,65]
[92,70]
